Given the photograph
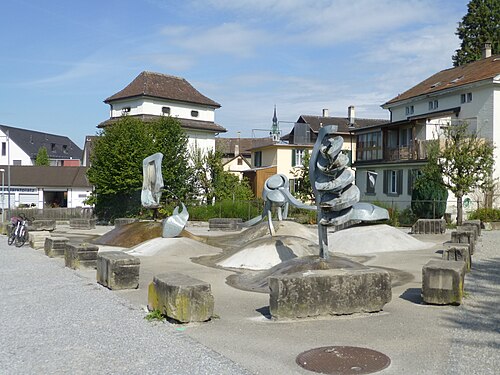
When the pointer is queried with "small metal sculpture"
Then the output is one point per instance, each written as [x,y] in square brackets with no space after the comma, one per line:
[276,193]
[173,225]
[337,197]
[152,182]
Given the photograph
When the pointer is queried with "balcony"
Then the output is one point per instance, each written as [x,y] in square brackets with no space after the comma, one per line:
[412,152]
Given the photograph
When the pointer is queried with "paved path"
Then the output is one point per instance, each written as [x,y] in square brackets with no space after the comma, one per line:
[55,322]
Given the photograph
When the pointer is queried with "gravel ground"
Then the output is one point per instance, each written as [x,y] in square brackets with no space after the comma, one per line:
[55,322]
[475,328]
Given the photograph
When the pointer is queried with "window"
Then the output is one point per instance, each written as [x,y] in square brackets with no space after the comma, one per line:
[17,162]
[297,157]
[257,159]
[369,146]
[165,110]
[462,98]
[194,113]
[469,97]
[393,182]
[240,161]
[466,98]
[65,149]
[410,110]
[433,104]
[4,148]
[371,180]
[53,147]
[125,110]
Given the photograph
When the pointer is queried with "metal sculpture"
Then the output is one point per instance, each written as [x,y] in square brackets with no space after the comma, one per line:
[174,224]
[337,198]
[152,182]
[276,193]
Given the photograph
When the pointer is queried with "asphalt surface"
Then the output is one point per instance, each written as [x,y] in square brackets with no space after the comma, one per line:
[59,321]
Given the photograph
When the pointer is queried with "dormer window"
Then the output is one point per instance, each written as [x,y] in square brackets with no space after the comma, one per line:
[125,110]
[53,147]
[165,111]
[65,149]
[194,113]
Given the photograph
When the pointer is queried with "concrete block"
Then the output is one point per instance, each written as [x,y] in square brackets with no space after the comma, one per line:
[329,292]
[82,223]
[469,228]
[464,236]
[82,255]
[118,270]
[42,224]
[124,221]
[181,298]
[460,253]
[37,239]
[225,224]
[55,246]
[476,223]
[429,226]
[443,282]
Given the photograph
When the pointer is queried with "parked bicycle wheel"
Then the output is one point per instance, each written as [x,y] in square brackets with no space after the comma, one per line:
[11,235]
[22,237]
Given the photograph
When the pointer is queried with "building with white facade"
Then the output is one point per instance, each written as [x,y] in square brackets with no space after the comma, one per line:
[390,155]
[151,95]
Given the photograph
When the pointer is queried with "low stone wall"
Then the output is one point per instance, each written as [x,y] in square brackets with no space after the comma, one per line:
[82,223]
[329,292]
[118,270]
[181,298]
[80,256]
[429,226]
[55,246]
[38,225]
[37,239]
[443,282]
[225,224]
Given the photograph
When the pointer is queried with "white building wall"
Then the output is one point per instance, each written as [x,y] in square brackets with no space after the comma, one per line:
[12,152]
[77,196]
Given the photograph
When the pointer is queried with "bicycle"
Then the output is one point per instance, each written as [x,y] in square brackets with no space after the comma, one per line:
[18,231]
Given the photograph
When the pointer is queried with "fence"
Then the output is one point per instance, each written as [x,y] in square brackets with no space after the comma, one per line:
[62,214]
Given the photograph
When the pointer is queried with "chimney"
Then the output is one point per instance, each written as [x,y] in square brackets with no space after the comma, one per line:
[351,115]
[487,50]
[325,112]
[236,150]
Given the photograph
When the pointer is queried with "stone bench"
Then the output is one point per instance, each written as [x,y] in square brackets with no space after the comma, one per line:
[458,252]
[124,221]
[80,256]
[429,226]
[225,224]
[55,246]
[42,224]
[82,223]
[118,270]
[329,292]
[37,239]
[181,298]
[469,228]
[464,236]
[443,282]
[476,223]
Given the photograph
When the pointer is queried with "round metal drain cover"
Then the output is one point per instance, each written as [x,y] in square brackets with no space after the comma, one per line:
[343,360]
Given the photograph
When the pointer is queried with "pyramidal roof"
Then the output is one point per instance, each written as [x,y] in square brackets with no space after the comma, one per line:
[162,86]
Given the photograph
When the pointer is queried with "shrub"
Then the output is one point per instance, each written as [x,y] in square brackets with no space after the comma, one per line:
[485,214]
[428,199]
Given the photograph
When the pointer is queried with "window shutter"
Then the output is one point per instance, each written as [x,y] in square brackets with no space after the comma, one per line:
[400,182]
[386,176]
[293,158]
[409,185]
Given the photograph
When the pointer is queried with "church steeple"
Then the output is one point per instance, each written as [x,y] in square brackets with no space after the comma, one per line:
[275,131]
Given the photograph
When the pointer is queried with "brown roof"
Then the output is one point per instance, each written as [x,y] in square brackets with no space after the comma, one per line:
[226,145]
[315,122]
[484,69]
[162,86]
[185,123]
[48,176]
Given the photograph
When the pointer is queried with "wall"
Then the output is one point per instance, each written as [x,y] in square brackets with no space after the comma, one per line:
[16,153]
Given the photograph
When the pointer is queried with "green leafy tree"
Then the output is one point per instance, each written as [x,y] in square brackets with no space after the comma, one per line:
[42,157]
[303,188]
[116,169]
[463,160]
[429,197]
[481,24]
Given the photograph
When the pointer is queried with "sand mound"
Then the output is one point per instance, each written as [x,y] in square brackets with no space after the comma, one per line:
[174,246]
[373,239]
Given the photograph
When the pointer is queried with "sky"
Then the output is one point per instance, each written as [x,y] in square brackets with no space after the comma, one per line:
[61,59]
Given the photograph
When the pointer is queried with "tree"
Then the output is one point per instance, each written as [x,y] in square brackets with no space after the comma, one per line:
[42,157]
[213,182]
[116,169]
[464,161]
[478,26]
[303,188]
[429,197]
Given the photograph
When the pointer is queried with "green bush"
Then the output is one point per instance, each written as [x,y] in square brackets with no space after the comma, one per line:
[485,214]
[428,199]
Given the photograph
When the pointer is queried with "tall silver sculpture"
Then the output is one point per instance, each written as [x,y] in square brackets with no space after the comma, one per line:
[152,182]
[337,198]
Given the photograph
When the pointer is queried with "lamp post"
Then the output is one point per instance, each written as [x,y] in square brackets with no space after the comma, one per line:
[351,128]
[3,195]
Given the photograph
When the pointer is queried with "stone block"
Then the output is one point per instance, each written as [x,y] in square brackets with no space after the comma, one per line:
[124,221]
[37,239]
[476,223]
[181,298]
[469,228]
[82,223]
[429,226]
[55,246]
[42,224]
[464,236]
[329,292]
[458,252]
[118,270]
[225,224]
[443,282]
[82,255]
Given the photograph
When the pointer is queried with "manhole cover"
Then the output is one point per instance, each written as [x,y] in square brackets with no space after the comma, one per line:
[343,360]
